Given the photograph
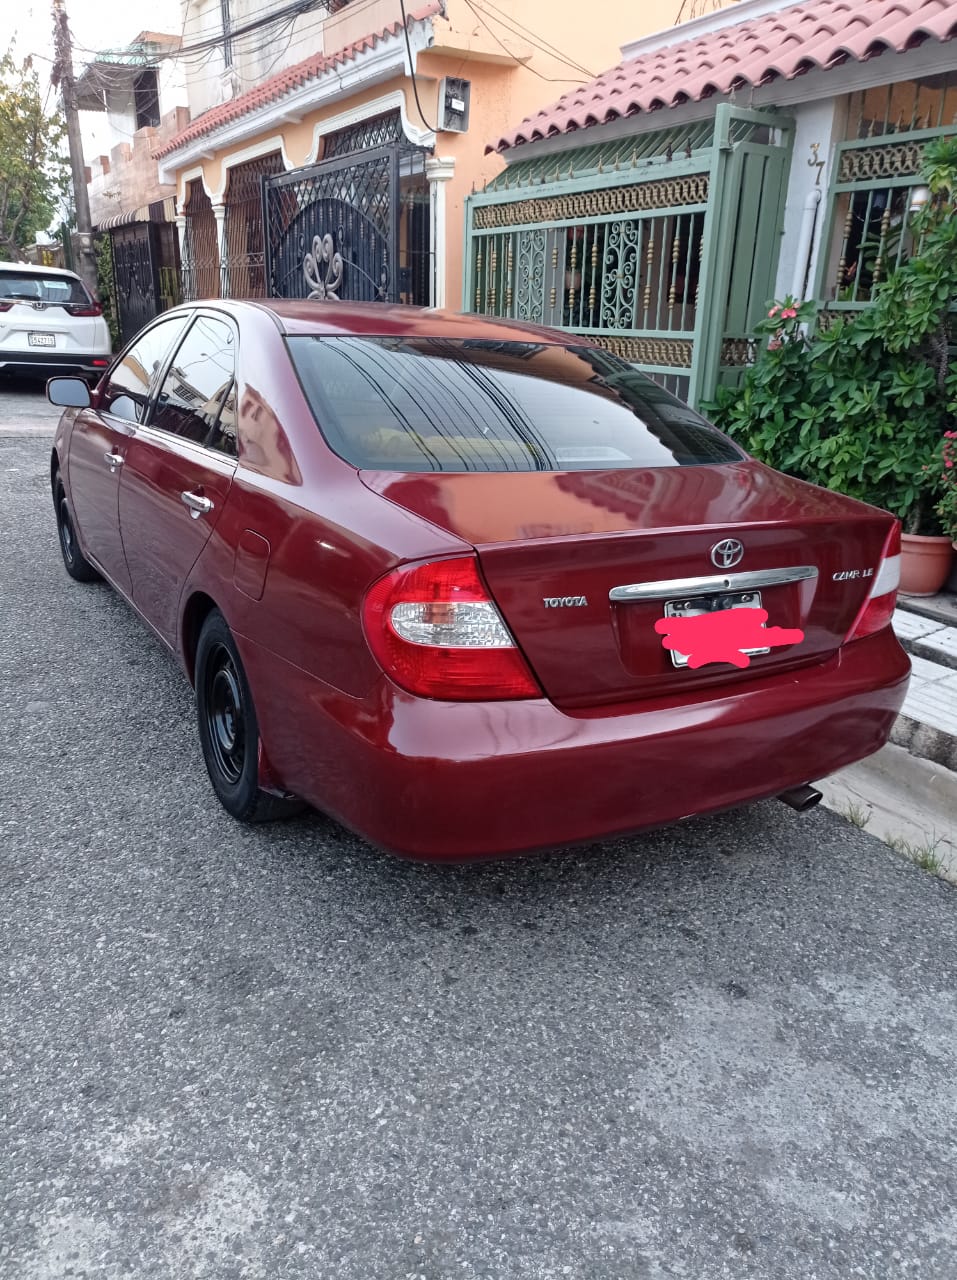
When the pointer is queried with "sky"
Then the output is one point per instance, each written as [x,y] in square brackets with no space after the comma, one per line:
[95,24]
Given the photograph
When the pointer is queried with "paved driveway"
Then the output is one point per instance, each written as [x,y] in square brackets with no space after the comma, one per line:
[721,1050]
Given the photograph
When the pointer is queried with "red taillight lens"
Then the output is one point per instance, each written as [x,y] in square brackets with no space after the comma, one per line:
[878,609]
[434,630]
[94,309]
[6,306]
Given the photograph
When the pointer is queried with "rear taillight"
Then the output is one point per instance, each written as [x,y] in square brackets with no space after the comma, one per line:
[878,609]
[434,630]
[82,309]
[6,306]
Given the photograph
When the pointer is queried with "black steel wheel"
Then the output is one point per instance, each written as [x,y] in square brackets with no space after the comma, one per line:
[75,562]
[229,730]
[225,714]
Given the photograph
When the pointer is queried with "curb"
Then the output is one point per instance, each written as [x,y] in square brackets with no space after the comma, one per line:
[925,742]
[921,649]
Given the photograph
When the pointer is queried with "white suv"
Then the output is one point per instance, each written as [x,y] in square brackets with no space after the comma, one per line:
[49,323]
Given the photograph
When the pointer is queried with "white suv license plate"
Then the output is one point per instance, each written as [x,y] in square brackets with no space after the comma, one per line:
[711,604]
[42,339]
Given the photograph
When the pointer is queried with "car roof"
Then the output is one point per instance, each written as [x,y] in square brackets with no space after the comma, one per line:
[32,266]
[382,319]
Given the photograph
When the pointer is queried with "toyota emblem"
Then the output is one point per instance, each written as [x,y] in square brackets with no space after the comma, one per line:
[726,554]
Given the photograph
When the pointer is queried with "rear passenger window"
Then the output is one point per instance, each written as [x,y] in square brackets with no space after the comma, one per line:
[223,438]
[197,385]
[132,380]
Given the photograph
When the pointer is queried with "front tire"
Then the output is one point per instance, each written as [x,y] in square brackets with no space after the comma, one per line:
[229,730]
[75,562]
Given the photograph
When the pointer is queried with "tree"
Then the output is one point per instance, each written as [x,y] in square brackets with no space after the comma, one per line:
[33,172]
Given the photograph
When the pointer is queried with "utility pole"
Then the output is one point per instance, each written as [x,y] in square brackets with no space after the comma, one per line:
[63,71]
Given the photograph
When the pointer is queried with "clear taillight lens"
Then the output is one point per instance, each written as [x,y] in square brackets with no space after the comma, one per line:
[878,608]
[435,631]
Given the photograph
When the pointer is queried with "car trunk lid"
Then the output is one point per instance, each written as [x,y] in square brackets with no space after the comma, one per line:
[582,565]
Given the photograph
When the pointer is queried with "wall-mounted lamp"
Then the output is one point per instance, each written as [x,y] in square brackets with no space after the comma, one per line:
[919,196]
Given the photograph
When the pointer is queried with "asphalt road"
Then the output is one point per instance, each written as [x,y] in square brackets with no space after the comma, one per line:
[723,1050]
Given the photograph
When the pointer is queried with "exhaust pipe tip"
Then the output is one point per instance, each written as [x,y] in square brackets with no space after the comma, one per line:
[801,798]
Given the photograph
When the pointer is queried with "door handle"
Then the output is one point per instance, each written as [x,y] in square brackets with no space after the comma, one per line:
[198,505]
[114,459]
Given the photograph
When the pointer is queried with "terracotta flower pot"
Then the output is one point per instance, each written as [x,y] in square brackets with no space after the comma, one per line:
[925,563]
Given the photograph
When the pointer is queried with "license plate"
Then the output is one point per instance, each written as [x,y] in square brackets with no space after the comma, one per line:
[42,339]
[711,604]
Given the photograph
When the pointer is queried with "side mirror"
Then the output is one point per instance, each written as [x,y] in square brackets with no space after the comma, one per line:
[70,393]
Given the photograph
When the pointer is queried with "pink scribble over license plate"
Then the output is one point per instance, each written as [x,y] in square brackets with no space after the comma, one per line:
[720,629]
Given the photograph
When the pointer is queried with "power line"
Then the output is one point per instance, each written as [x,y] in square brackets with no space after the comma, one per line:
[104,77]
[415,87]
[539,41]
[505,49]
[212,42]
[262,49]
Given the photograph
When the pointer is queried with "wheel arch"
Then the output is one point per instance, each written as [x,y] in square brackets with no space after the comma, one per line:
[198,608]
[277,801]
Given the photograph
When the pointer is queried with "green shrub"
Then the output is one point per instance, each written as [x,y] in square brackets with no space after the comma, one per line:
[861,406]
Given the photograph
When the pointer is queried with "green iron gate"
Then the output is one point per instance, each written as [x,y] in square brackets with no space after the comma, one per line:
[662,247]
[876,188]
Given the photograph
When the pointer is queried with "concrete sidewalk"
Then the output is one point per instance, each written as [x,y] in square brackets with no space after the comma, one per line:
[906,794]
[927,726]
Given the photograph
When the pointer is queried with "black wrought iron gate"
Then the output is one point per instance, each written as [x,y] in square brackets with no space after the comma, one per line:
[135,276]
[351,227]
[146,269]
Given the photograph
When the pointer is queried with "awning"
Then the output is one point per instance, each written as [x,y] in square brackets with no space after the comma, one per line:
[158,211]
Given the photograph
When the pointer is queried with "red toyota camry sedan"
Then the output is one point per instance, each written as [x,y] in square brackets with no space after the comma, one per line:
[468,587]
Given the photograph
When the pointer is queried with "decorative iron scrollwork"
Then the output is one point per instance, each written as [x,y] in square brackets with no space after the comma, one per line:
[324,268]
[668,353]
[892,160]
[667,194]
[531,275]
[739,353]
[364,135]
[620,279]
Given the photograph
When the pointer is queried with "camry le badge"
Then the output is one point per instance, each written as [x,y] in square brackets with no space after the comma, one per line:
[726,554]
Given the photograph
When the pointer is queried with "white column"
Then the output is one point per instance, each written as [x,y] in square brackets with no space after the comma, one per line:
[819,127]
[181,236]
[219,213]
[439,171]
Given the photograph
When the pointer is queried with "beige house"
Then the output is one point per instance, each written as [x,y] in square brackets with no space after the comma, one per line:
[333,155]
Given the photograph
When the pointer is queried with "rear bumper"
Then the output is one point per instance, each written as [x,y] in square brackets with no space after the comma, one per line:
[47,364]
[455,781]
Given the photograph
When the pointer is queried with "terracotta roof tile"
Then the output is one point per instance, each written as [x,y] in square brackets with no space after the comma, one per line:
[284,82]
[783,44]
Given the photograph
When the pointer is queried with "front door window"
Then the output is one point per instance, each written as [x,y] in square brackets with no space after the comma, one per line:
[132,380]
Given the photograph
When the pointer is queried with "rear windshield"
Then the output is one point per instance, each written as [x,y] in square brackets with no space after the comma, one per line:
[433,404]
[34,286]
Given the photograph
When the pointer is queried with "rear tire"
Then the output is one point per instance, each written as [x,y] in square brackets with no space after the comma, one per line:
[75,562]
[229,730]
